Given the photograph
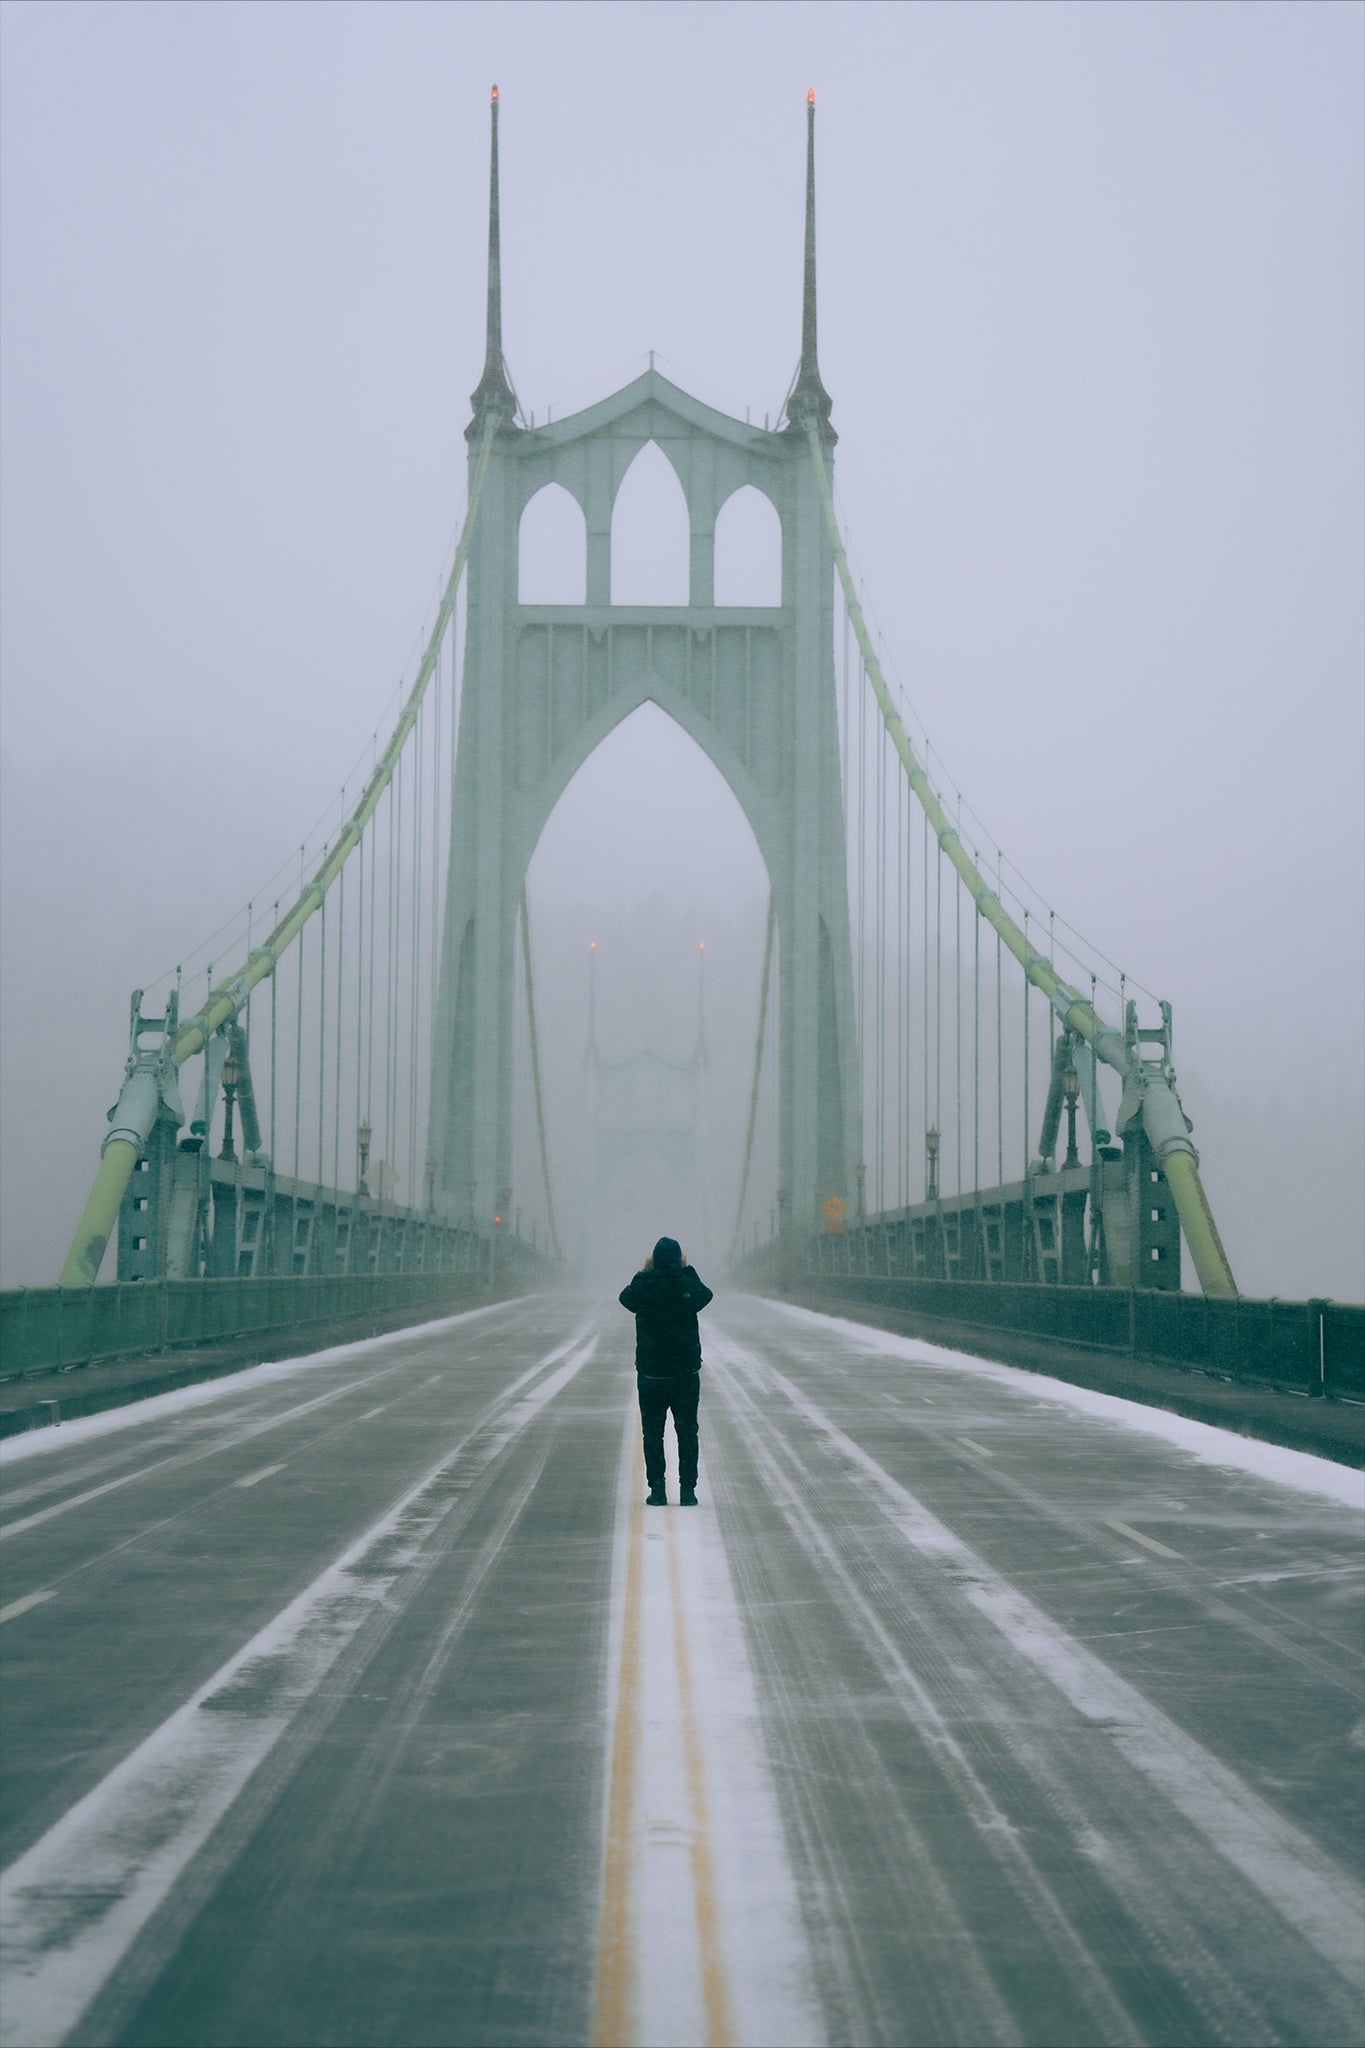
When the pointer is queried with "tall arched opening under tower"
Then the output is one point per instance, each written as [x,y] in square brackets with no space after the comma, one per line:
[648,898]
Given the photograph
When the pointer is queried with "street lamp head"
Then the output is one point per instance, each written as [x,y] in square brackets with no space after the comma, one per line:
[1071,1082]
[231,1072]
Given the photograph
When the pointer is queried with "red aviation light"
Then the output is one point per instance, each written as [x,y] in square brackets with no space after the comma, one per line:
[494,93]
[810,95]
[497,1219]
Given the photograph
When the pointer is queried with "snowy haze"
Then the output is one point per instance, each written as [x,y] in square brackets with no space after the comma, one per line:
[1091,316]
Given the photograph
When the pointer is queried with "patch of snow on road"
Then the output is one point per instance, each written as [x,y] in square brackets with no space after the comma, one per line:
[1202,1440]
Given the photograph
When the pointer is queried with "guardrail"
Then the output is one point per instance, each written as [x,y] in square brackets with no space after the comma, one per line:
[45,1328]
[1308,1347]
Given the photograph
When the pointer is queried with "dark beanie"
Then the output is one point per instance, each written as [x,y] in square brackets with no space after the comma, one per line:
[668,1256]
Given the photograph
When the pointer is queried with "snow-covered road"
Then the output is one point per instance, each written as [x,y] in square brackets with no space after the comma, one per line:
[358,1699]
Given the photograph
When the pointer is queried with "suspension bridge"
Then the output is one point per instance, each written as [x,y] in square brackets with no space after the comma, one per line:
[352,1694]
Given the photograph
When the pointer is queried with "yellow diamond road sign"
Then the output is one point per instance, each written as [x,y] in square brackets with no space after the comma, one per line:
[836,1208]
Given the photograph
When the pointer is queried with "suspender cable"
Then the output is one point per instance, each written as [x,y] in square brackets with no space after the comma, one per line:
[271,1220]
[1151,1092]
[341,999]
[433,979]
[415,948]
[999,1048]
[957,1044]
[1027,993]
[902,1163]
[298,1108]
[390,920]
[938,992]
[923,1043]
[322,1045]
[907,943]
[881,971]
[976,1090]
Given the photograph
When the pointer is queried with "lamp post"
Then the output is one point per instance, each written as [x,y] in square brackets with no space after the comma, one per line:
[363,1137]
[1071,1086]
[231,1080]
[931,1166]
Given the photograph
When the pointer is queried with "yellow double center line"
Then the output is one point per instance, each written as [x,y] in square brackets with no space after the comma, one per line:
[616,2018]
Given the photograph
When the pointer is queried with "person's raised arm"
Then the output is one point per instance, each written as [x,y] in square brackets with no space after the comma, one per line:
[698,1293]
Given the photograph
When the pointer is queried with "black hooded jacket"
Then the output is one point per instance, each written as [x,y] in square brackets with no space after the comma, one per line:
[665,1307]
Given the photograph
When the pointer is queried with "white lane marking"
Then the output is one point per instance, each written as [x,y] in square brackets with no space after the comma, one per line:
[1150,1542]
[370,1413]
[72,1905]
[255,1478]
[1307,1888]
[191,1457]
[973,1445]
[17,1607]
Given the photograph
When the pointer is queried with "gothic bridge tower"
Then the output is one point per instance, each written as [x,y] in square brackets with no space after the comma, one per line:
[543,685]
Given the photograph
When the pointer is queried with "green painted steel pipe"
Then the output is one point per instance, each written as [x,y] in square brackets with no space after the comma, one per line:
[1162,1116]
[134,1115]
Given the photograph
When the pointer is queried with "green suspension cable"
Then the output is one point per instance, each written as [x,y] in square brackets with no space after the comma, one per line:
[1150,1090]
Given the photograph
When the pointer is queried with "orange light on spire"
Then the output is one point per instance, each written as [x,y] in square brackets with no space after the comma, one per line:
[810,95]
[592,945]
[495,93]
[701,945]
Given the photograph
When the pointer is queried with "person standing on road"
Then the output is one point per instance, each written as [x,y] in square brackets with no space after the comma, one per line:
[665,1298]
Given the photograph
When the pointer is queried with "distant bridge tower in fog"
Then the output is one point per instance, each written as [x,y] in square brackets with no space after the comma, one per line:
[543,685]
[641,1107]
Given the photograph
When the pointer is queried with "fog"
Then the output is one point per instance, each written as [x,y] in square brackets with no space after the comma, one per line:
[1092,316]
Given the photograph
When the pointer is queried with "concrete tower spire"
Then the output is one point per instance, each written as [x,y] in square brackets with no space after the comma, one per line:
[809,398]
[494,398]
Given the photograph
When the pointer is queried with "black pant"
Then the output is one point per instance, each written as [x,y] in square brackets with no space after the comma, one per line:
[656,1398]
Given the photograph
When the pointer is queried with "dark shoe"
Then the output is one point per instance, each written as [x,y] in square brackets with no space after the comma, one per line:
[688,1497]
[657,1498]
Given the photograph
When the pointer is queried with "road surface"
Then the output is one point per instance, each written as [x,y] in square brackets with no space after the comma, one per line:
[359,1699]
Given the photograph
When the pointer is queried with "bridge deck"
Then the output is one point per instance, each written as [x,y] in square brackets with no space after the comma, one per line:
[359,1699]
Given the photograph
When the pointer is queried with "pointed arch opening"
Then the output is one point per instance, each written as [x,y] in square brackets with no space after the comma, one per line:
[552,549]
[648,853]
[651,543]
[748,550]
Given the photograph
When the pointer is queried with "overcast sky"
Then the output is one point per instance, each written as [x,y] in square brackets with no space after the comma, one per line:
[1091,315]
